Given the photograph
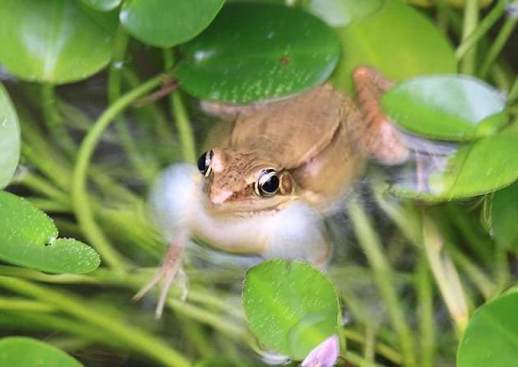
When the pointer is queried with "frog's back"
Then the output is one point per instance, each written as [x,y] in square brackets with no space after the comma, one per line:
[293,130]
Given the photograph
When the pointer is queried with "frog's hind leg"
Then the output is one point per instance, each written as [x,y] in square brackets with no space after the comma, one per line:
[170,269]
[381,138]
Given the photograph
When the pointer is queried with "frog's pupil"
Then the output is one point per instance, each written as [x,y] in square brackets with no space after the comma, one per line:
[202,163]
[271,185]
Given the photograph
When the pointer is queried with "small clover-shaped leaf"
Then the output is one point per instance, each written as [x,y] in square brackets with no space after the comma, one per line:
[28,237]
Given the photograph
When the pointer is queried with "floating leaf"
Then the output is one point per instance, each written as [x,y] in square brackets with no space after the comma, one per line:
[339,13]
[102,5]
[54,41]
[397,40]
[165,23]
[491,338]
[27,352]
[446,107]
[504,211]
[9,139]
[281,51]
[290,306]
[28,237]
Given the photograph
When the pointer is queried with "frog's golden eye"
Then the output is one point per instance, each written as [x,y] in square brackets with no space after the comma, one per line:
[268,183]
[204,163]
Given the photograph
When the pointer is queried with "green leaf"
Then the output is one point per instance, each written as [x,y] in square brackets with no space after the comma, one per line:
[56,41]
[28,237]
[27,352]
[290,306]
[102,5]
[477,168]
[165,23]
[280,51]
[339,13]
[491,338]
[9,139]
[446,107]
[397,40]
[504,211]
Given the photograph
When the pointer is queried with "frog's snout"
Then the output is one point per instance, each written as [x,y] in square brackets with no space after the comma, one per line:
[217,196]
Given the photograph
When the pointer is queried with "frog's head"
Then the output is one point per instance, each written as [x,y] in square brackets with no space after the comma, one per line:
[243,182]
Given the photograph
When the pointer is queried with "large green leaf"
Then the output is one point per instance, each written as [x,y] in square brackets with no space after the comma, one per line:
[54,41]
[255,51]
[290,306]
[27,352]
[28,237]
[504,212]
[9,139]
[447,107]
[397,40]
[165,23]
[491,338]
[102,5]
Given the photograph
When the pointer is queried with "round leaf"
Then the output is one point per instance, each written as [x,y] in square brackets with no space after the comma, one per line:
[397,40]
[255,51]
[504,211]
[491,338]
[9,139]
[290,306]
[28,237]
[27,352]
[165,23]
[54,41]
[102,5]
[446,107]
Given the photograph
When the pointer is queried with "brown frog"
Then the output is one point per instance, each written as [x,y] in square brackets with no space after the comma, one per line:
[276,171]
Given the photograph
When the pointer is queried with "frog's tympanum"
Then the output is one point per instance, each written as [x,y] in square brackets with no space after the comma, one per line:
[266,185]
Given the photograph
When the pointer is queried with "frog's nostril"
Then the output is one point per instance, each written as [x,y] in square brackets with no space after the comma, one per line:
[219,196]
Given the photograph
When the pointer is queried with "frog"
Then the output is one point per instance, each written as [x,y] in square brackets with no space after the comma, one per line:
[273,175]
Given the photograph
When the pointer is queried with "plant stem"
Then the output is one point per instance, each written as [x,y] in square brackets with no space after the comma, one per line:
[182,120]
[23,305]
[485,25]
[497,46]
[133,337]
[54,120]
[80,201]
[468,61]
[382,272]
[426,320]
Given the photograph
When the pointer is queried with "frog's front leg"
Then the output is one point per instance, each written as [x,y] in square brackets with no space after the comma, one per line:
[170,270]
[381,138]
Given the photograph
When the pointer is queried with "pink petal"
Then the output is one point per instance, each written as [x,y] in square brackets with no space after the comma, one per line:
[324,355]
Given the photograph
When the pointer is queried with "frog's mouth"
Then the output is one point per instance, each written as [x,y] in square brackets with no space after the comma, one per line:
[251,206]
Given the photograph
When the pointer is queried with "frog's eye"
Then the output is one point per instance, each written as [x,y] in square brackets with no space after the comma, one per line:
[268,183]
[204,163]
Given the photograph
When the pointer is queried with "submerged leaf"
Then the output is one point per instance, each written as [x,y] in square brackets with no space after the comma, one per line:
[28,237]
[504,211]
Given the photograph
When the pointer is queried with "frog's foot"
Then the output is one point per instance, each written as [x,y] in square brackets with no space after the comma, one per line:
[382,139]
[170,270]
